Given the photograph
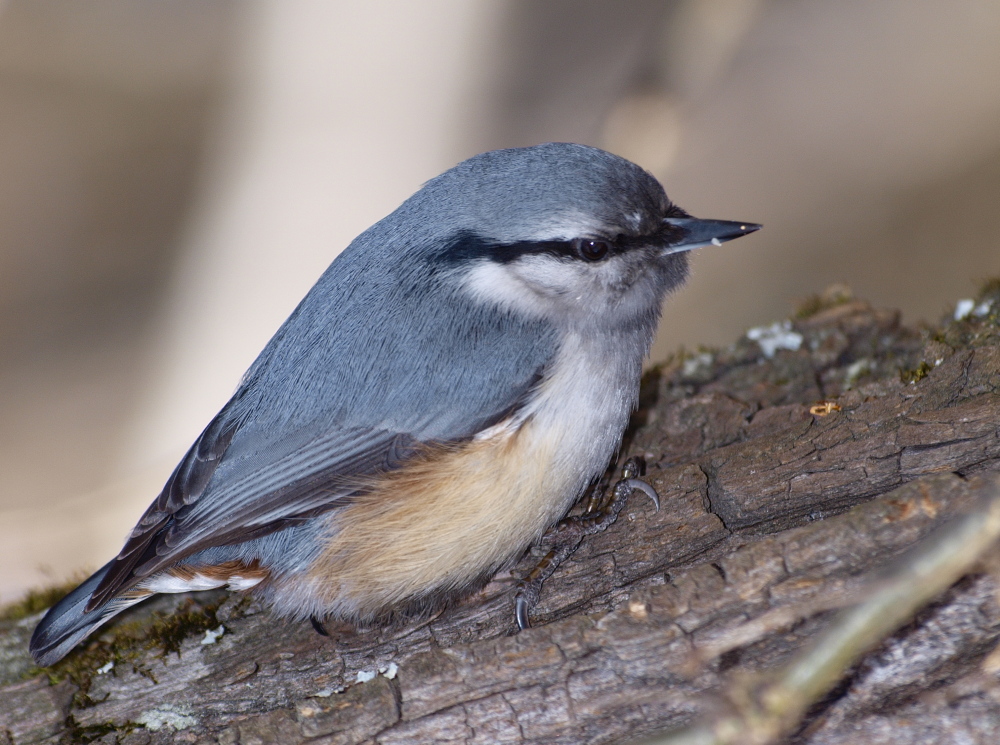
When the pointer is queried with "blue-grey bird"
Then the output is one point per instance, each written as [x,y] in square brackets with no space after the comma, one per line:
[450,386]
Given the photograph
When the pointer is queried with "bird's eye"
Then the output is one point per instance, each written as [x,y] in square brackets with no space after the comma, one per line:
[592,250]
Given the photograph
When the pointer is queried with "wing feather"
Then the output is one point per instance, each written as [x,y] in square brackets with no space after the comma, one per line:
[329,402]
[266,496]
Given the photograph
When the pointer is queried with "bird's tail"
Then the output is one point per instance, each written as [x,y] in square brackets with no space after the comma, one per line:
[67,623]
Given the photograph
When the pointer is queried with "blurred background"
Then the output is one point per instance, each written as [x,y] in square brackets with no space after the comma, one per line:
[175,175]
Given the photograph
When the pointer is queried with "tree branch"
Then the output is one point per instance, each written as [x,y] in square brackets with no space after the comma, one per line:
[775,514]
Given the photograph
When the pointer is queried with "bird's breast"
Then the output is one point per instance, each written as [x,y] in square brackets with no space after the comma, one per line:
[455,514]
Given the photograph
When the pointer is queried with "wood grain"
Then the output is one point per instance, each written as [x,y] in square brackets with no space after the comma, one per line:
[772,519]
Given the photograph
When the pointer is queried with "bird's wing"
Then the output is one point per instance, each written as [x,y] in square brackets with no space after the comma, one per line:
[219,497]
[373,364]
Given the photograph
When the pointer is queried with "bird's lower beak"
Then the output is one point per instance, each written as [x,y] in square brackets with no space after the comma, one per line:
[687,233]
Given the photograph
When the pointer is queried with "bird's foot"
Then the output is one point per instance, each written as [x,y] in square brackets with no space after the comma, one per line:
[600,512]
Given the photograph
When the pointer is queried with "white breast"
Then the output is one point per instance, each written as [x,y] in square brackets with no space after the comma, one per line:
[582,407]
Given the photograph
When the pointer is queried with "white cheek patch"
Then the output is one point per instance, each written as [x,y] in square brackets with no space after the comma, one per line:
[516,286]
[550,276]
[540,285]
[490,282]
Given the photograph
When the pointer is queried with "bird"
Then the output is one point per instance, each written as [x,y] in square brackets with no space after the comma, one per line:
[451,385]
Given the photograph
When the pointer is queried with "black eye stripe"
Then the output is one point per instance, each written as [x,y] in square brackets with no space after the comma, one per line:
[467,246]
[586,249]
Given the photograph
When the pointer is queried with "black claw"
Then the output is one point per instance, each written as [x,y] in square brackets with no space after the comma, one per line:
[645,489]
[521,613]
[318,626]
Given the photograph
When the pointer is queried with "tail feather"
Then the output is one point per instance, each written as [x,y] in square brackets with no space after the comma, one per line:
[67,622]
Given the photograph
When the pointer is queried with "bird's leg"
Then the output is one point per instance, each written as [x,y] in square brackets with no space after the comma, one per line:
[599,513]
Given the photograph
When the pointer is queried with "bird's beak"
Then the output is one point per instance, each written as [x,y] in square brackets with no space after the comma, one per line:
[691,232]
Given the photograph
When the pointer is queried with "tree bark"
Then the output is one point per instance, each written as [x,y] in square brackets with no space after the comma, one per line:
[773,516]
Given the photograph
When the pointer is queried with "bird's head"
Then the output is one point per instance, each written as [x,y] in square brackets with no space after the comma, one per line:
[564,232]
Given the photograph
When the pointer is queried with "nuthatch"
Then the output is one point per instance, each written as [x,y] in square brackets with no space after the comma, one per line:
[449,387]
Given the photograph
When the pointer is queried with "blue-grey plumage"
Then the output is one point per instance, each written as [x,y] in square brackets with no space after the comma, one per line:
[442,395]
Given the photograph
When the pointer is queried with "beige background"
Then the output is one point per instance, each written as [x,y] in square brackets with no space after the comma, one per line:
[174,176]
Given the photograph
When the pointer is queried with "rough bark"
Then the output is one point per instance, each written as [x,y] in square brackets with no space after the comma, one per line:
[772,518]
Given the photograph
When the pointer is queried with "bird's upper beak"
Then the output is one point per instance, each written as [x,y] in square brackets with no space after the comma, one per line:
[691,232]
